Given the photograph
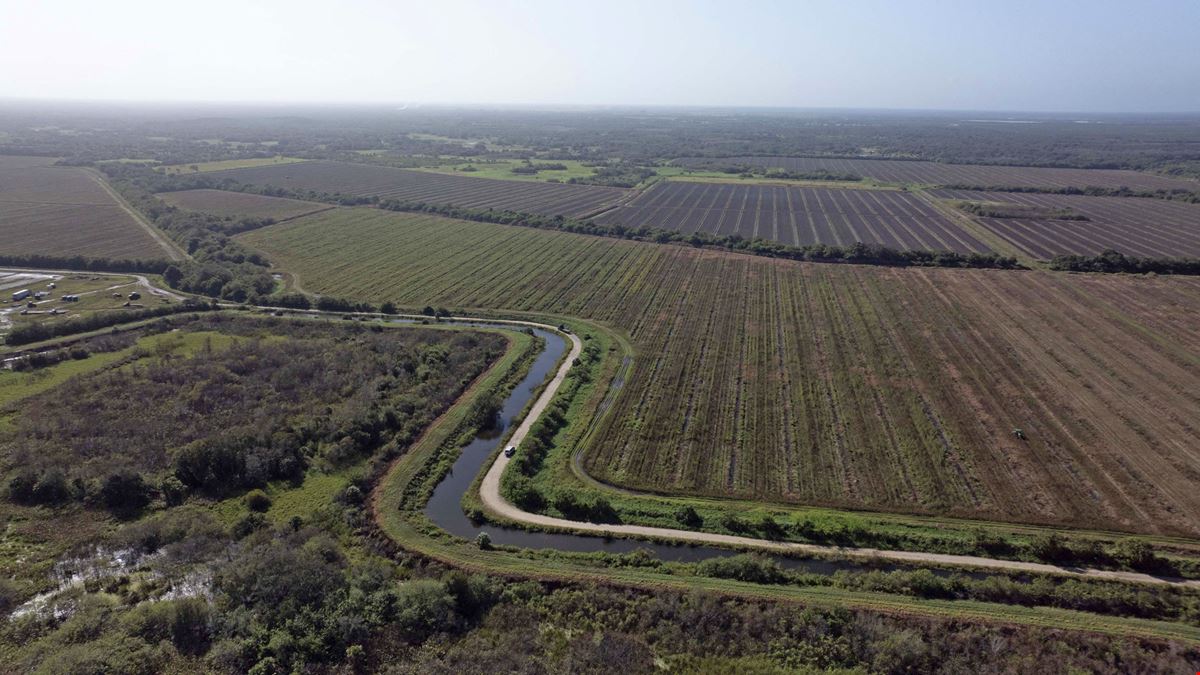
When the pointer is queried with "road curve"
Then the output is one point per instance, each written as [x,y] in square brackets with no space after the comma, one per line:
[489,492]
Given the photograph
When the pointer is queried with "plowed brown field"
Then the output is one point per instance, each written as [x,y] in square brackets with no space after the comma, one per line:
[63,210]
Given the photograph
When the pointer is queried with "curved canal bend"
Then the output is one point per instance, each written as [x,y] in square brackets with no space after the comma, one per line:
[445,506]
[445,509]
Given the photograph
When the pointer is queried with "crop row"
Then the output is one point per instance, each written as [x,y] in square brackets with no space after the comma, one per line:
[796,216]
[1141,227]
[891,389]
[433,188]
[935,173]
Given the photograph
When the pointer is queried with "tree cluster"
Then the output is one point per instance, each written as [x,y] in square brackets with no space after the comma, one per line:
[1111,261]
[26,333]
[235,418]
[82,264]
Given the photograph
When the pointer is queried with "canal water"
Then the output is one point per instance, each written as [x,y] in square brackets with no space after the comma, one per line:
[445,507]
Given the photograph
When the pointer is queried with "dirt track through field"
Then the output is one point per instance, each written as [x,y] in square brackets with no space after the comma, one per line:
[173,251]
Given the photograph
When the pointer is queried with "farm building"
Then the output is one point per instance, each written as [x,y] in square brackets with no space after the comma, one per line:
[21,295]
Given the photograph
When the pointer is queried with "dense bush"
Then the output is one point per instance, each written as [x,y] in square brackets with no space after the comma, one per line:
[82,264]
[26,333]
[743,567]
[1112,261]
[125,491]
[220,267]
[1189,196]
[235,418]
[257,500]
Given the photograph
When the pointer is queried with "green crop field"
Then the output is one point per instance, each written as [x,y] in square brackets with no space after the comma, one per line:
[225,164]
[503,169]
[845,386]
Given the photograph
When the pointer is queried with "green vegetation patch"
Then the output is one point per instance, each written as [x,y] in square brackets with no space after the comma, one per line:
[227,404]
[225,164]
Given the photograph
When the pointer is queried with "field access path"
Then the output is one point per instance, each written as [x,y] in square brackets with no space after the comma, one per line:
[174,252]
[489,492]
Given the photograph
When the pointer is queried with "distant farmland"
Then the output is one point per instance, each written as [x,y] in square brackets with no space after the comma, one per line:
[935,173]
[796,216]
[56,210]
[877,388]
[1141,227]
[235,204]
[433,188]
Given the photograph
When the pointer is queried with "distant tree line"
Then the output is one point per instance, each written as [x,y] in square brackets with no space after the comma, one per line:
[1113,261]
[785,174]
[530,168]
[82,264]
[1177,195]
[25,333]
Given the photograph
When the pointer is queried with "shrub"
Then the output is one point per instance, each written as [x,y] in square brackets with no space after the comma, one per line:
[20,487]
[51,488]
[125,491]
[770,528]
[424,607]
[249,524]
[688,517]
[1135,554]
[257,500]
[743,567]
[173,491]
[1049,547]
[733,523]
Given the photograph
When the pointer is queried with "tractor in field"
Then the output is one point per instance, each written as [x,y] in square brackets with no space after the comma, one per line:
[1018,433]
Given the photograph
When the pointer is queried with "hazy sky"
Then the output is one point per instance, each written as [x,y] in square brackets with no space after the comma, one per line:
[1095,55]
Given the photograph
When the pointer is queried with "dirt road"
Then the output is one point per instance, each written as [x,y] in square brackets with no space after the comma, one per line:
[172,251]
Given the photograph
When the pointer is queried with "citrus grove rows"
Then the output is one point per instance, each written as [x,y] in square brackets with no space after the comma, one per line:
[894,389]
[385,182]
